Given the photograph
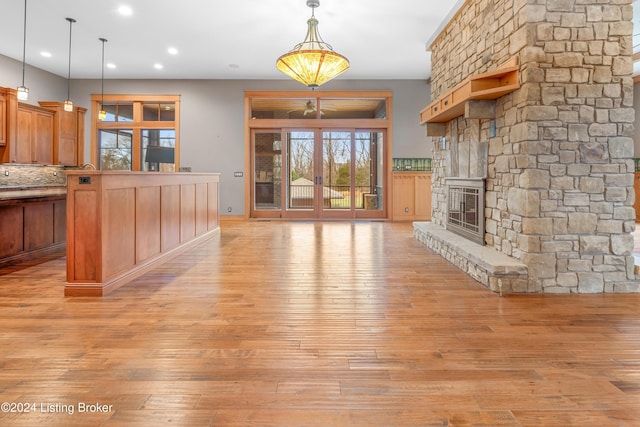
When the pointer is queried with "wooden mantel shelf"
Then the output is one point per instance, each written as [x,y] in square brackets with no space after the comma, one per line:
[487,86]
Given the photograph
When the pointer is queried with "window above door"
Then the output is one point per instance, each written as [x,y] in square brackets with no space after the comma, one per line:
[319,105]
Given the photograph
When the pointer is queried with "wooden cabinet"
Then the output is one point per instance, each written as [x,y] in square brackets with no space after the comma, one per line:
[68,134]
[11,229]
[44,134]
[34,136]
[8,109]
[412,196]
[31,228]
[3,120]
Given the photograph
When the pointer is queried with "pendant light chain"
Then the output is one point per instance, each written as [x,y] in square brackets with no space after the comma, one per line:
[68,104]
[24,41]
[23,91]
[102,114]
[103,40]
[71,21]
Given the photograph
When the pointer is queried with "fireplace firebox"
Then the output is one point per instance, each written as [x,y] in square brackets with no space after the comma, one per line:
[465,208]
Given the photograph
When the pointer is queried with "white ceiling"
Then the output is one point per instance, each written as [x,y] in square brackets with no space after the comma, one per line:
[221,39]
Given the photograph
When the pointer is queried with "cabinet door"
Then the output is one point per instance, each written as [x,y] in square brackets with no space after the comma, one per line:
[3,121]
[43,138]
[68,137]
[403,196]
[60,221]
[38,225]
[423,196]
[11,229]
[22,152]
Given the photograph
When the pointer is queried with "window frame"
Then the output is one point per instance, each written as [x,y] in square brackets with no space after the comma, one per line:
[137,125]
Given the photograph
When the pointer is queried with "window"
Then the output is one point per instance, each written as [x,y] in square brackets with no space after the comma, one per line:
[115,149]
[158,150]
[139,133]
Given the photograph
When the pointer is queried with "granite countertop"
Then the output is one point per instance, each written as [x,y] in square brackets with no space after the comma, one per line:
[9,193]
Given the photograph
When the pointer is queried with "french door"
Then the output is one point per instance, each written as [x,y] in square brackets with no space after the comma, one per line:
[319,173]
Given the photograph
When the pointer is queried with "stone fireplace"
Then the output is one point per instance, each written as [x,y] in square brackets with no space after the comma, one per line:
[554,151]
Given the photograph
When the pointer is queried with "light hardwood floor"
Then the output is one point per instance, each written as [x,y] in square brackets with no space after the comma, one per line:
[314,324]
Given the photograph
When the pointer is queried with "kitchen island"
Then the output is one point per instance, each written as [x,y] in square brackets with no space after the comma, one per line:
[121,224]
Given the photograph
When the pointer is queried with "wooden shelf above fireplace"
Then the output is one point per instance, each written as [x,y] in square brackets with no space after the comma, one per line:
[487,86]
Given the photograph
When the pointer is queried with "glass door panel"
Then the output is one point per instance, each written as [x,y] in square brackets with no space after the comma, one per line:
[301,176]
[336,179]
[267,171]
[316,173]
[369,183]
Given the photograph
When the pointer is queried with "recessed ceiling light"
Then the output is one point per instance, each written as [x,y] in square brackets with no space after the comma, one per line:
[158,66]
[111,65]
[46,54]
[125,10]
[172,51]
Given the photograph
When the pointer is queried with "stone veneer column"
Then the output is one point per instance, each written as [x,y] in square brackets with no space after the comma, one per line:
[560,169]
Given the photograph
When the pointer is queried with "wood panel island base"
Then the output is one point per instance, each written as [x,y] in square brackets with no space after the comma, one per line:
[122,224]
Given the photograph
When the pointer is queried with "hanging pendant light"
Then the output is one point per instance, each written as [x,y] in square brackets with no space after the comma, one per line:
[102,114]
[312,62]
[68,104]
[23,91]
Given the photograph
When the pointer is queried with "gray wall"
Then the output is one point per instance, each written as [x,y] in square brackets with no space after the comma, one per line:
[43,86]
[212,115]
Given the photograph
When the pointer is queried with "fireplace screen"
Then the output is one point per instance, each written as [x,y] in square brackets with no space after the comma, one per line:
[465,213]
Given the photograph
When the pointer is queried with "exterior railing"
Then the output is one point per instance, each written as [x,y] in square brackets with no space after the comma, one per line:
[334,196]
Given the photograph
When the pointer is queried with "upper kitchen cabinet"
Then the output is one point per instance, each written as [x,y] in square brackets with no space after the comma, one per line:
[34,134]
[8,118]
[68,134]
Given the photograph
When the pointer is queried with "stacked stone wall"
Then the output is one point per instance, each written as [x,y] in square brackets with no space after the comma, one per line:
[560,175]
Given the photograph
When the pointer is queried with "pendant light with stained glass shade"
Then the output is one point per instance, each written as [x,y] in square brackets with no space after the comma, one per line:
[23,91]
[102,114]
[312,62]
[68,104]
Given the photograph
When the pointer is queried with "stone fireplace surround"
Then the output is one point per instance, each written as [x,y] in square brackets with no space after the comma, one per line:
[559,183]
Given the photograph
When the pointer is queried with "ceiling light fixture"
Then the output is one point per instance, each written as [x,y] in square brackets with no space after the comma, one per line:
[23,91]
[68,104]
[125,10]
[312,62]
[102,114]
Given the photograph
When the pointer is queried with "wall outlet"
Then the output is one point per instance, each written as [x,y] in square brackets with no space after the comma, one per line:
[6,173]
[238,174]
[229,209]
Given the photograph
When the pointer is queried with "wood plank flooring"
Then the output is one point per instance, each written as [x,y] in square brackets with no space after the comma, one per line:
[313,324]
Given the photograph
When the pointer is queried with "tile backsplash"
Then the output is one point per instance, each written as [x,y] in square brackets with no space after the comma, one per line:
[412,164]
[12,176]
